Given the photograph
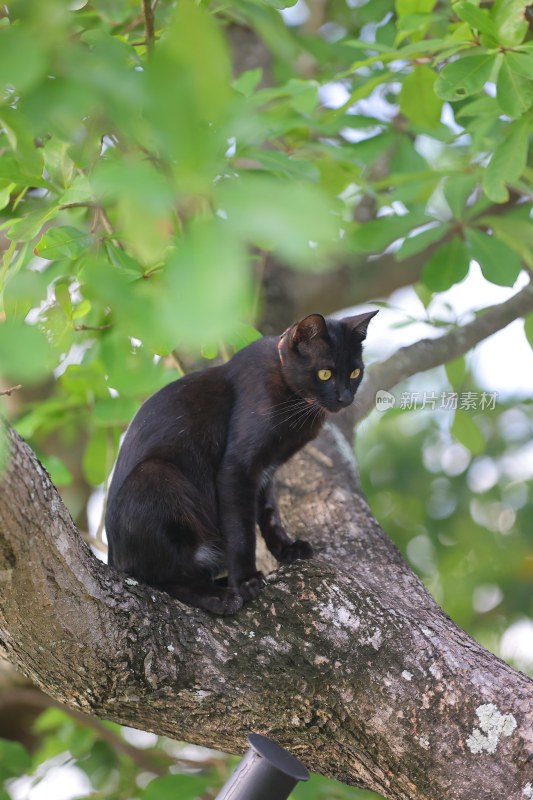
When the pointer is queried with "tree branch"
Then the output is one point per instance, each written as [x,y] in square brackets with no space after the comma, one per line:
[428,353]
[345,660]
[149,24]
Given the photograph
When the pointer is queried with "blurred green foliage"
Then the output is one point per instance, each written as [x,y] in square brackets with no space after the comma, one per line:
[100,756]
[457,500]
[142,184]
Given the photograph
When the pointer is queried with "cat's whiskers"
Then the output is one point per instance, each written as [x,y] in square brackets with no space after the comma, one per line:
[298,415]
[294,406]
[311,416]
[285,405]
[292,417]
[294,413]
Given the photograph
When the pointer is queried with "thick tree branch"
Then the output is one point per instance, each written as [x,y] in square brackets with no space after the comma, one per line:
[428,353]
[346,660]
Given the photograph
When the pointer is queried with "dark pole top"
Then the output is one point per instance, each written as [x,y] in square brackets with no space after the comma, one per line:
[279,758]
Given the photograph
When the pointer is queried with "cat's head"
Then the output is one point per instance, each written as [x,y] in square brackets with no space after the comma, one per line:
[322,359]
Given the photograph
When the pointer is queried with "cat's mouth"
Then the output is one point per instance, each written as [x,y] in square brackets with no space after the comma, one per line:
[339,405]
[332,408]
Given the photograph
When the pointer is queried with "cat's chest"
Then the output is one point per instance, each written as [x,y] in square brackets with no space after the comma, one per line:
[284,440]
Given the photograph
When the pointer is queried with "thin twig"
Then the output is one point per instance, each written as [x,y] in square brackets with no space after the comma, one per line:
[146,760]
[86,204]
[149,25]
[92,327]
[143,42]
[223,351]
[178,363]
[93,542]
[10,391]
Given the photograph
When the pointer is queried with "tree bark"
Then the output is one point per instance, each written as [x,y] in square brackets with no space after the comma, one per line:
[346,660]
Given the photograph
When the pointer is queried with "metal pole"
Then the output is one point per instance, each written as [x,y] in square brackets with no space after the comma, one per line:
[266,772]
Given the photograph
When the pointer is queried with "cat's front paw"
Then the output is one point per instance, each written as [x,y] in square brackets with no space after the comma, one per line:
[225,602]
[252,587]
[294,551]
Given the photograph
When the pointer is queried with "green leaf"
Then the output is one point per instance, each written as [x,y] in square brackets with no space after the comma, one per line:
[205,285]
[281,215]
[24,290]
[418,101]
[457,190]
[521,63]
[303,95]
[95,458]
[248,81]
[209,351]
[508,16]
[242,336]
[514,92]
[5,194]
[285,165]
[464,77]
[376,235]
[26,228]
[119,258]
[405,7]
[508,161]
[21,138]
[22,62]
[179,77]
[63,242]
[131,370]
[477,18]
[62,293]
[499,264]
[528,328]
[79,191]
[465,430]
[280,4]
[448,265]
[144,205]
[114,411]
[14,760]
[82,309]
[420,241]
[169,787]
[516,233]
[20,173]
[59,472]
[456,372]
[24,352]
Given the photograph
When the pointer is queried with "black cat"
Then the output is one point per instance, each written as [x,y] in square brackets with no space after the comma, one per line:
[194,473]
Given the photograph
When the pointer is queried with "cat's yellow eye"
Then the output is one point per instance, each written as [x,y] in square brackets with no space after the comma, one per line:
[355,373]
[324,374]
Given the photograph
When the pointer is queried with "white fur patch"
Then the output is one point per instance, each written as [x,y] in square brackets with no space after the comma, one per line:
[208,556]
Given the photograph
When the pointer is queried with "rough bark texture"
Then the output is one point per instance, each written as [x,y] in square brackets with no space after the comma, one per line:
[345,660]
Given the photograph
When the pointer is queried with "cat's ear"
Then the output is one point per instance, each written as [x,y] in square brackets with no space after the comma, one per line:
[311,327]
[358,325]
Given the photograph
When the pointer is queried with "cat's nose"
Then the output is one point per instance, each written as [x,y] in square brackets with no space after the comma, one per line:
[344,395]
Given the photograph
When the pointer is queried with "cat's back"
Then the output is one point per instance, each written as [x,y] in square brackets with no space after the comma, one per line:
[183,422]
[254,370]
